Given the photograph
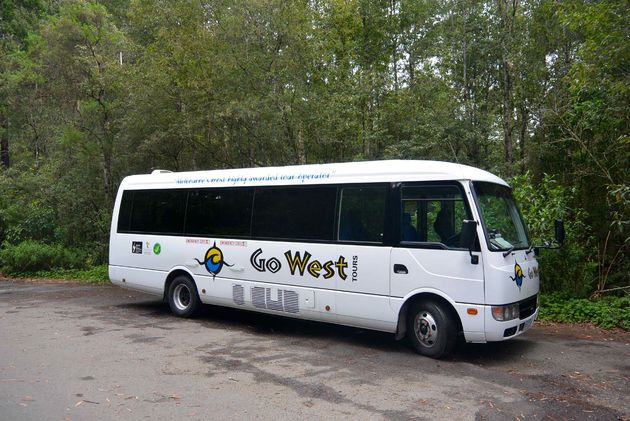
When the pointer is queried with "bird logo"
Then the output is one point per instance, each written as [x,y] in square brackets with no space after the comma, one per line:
[213,261]
[518,275]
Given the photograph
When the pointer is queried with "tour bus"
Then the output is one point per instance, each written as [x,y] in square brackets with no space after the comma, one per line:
[423,249]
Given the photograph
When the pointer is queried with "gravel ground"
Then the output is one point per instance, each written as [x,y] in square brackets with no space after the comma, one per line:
[72,351]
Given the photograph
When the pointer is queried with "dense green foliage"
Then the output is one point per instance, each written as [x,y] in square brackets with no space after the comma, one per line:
[571,268]
[95,274]
[535,91]
[607,312]
[32,256]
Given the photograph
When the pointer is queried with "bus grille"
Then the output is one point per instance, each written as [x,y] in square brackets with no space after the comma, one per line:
[527,307]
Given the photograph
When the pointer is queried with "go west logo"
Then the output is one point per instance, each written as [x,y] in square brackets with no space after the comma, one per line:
[300,264]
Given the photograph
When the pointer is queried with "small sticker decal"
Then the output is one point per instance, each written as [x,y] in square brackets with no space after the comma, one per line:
[157,248]
[233,243]
[213,260]
[136,247]
[518,275]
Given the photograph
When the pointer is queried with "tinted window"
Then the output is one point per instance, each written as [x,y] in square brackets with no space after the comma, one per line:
[362,214]
[225,212]
[301,213]
[433,214]
[124,215]
[158,211]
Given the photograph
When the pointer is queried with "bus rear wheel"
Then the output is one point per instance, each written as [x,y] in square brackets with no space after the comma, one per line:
[431,329]
[182,297]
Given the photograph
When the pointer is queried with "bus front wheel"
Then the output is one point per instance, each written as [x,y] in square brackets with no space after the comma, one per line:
[182,297]
[431,329]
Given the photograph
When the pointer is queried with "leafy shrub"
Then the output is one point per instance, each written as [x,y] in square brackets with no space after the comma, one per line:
[96,274]
[573,267]
[28,221]
[25,212]
[607,312]
[36,205]
[30,256]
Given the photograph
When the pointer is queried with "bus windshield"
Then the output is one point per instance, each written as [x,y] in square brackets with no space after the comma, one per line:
[502,220]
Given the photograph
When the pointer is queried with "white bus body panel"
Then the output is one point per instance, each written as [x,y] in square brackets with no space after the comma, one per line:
[356,291]
[346,173]
[446,273]
[371,295]
[511,278]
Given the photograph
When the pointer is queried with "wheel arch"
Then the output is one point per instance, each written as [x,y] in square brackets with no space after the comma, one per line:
[174,273]
[428,295]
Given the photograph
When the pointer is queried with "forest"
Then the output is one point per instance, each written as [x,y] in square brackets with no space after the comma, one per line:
[536,91]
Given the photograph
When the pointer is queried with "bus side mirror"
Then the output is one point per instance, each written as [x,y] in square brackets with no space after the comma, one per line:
[560,231]
[468,238]
[559,238]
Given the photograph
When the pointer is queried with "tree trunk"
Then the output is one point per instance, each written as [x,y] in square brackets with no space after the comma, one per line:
[300,146]
[4,141]
[523,118]
[473,146]
[394,40]
[507,13]
[107,155]
[508,124]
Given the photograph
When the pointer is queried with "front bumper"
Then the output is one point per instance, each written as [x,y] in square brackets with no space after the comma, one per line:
[500,331]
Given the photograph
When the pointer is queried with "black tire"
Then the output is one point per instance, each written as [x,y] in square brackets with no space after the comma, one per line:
[183,297]
[431,329]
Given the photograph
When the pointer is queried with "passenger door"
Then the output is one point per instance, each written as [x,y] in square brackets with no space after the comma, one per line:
[363,296]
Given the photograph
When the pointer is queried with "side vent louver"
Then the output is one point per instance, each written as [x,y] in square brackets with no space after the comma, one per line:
[258,297]
[238,292]
[274,304]
[291,302]
[286,301]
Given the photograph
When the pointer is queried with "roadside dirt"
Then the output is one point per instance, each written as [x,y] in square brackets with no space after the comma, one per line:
[588,331]
[79,351]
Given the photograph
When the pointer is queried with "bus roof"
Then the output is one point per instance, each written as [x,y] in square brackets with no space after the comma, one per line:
[339,173]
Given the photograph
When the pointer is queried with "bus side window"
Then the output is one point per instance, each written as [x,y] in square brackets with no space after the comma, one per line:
[220,212]
[444,224]
[158,211]
[294,213]
[362,214]
[433,214]
[409,229]
[124,215]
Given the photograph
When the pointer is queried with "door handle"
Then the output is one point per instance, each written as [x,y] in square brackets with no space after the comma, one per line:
[400,269]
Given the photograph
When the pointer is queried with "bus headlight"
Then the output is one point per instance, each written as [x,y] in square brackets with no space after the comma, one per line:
[505,313]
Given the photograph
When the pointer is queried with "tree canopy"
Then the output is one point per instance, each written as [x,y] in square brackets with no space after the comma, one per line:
[533,90]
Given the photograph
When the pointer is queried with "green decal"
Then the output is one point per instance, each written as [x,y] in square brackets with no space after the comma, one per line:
[157,248]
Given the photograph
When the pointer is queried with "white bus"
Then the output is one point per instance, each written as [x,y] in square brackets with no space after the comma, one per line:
[424,249]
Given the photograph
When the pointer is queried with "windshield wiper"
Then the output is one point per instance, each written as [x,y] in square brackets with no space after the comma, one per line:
[499,247]
[508,251]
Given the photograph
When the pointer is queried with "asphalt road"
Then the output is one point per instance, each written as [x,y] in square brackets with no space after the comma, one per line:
[78,352]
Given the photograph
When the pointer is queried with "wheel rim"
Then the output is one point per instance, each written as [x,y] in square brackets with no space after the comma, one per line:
[181,297]
[426,329]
